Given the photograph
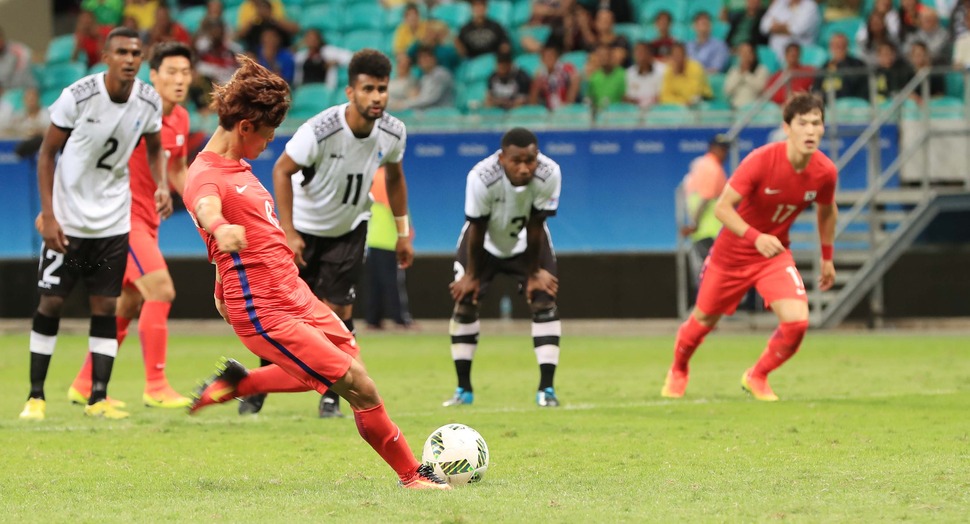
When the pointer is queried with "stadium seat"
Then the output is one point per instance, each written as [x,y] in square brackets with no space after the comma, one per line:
[100,67]
[440,118]
[478,68]
[955,84]
[716,81]
[676,8]
[767,58]
[720,29]
[814,55]
[489,117]
[14,98]
[363,16]
[59,76]
[298,3]
[538,32]
[294,12]
[191,18]
[530,116]
[327,18]
[851,110]
[947,108]
[60,49]
[769,113]
[669,114]
[715,113]
[682,32]
[711,7]
[521,13]
[233,4]
[454,15]
[357,40]
[501,12]
[577,59]
[393,18]
[311,98]
[230,15]
[632,32]
[143,72]
[48,96]
[571,116]
[471,96]
[620,114]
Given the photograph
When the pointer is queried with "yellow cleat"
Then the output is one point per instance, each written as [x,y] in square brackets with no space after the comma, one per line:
[76,397]
[674,385]
[758,387]
[104,409]
[34,409]
[165,398]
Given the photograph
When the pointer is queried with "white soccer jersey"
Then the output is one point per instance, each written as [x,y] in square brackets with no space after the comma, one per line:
[331,196]
[92,195]
[488,193]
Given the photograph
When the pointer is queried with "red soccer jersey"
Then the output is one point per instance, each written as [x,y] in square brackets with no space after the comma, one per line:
[774,195]
[261,283]
[175,134]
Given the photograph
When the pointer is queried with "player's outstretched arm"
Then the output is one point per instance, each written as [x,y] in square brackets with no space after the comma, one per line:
[397,197]
[283,172]
[230,238]
[54,140]
[156,164]
[469,282]
[724,210]
[828,216]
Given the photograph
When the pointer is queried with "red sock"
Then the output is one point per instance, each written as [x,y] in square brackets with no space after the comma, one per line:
[153,331]
[386,438]
[689,336]
[270,379]
[784,342]
[122,324]
[82,382]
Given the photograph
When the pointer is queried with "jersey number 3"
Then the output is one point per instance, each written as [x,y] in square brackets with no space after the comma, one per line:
[112,145]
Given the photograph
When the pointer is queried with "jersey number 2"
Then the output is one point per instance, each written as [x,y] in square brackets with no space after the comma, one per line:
[354,181]
[112,145]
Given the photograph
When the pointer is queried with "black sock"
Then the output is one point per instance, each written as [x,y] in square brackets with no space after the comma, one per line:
[46,327]
[263,362]
[350,326]
[464,370]
[331,395]
[38,374]
[546,374]
[101,366]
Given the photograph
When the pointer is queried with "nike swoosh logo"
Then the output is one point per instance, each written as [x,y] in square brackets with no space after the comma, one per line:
[218,395]
[767,191]
[398,435]
[240,189]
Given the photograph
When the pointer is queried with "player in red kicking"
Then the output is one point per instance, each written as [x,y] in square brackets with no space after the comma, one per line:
[148,291]
[757,207]
[258,287]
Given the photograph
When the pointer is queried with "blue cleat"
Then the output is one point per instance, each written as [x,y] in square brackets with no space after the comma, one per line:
[546,398]
[461,397]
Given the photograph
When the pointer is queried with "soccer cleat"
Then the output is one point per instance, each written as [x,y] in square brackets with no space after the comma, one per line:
[461,397]
[546,398]
[34,409]
[425,478]
[329,407]
[165,397]
[758,387]
[76,397]
[252,404]
[220,387]
[674,385]
[104,409]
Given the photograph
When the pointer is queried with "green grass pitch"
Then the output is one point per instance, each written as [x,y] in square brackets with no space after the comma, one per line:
[871,428]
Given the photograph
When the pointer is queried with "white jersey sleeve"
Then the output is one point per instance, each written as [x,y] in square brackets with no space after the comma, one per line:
[396,154]
[64,111]
[303,146]
[478,200]
[548,174]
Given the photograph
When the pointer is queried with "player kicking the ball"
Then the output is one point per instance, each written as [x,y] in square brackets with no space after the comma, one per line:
[507,199]
[258,287]
[770,188]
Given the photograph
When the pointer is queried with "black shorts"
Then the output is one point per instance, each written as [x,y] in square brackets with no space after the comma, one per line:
[99,262]
[516,267]
[334,265]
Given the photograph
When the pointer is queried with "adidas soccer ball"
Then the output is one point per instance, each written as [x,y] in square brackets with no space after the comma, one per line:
[457,453]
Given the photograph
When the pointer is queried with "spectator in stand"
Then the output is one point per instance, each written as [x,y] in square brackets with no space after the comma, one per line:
[30,121]
[258,16]
[842,9]
[436,38]
[403,85]
[802,79]
[890,18]
[909,12]
[481,35]
[603,32]
[14,64]
[88,39]
[607,84]
[436,88]
[550,12]
[273,56]
[892,73]
[143,11]
[622,9]
[508,86]
[933,35]
[684,82]
[569,35]
[746,80]
[790,21]
[959,23]
[845,75]
[556,83]
[317,62]
[106,12]
[644,77]
[166,29]
[746,24]
[920,59]
[6,113]
[216,53]
[711,52]
[873,34]
[662,45]
[213,12]
[410,30]
[961,48]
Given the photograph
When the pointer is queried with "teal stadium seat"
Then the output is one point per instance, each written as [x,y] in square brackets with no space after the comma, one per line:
[454,15]
[528,62]
[59,76]
[294,12]
[620,114]
[521,13]
[711,7]
[501,12]
[478,68]
[767,58]
[632,32]
[848,26]
[49,96]
[851,110]
[577,59]
[669,114]
[650,9]
[715,113]
[191,18]
[814,55]
[490,117]
[298,3]
[393,18]
[357,40]
[232,3]
[529,116]
[947,108]
[440,118]
[311,99]
[572,116]
[327,18]
[100,67]
[720,29]
[540,33]
[363,16]
[471,96]
[60,49]
[768,114]
[955,84]
[716,81]
[230,15]
[14,98]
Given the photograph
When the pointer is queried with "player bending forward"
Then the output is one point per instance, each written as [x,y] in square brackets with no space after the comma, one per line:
[770,188]
[258,288]
[507,199]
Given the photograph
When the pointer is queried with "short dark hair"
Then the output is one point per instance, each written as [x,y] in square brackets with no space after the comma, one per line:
[163,50]
[702,14]
[519,137]
[663,13]
[370,62]
[503,57]
[800,104]
[793,45]
[121,32]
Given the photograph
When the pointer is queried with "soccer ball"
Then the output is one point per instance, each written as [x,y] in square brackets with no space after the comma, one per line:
[457,453]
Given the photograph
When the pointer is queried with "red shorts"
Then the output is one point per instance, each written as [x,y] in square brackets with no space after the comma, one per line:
[144,256]
[775,279]
[316,349]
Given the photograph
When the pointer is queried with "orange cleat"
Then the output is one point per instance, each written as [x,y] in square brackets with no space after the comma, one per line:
[425,478]
[674,385]
[220,387]
[758,387]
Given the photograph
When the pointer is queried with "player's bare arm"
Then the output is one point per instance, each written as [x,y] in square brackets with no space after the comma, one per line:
[397,196]
[828,216]
[539,279]
[283,171]
[230,238]
[156,163]
[54,140]
[177,173]
[725,211]
[469,282]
